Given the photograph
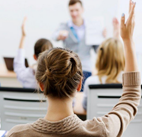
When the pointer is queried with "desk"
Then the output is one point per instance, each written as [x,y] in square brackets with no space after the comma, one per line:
[78,109]
[8,78]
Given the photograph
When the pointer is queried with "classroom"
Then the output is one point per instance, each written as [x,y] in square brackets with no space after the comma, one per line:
[70,68]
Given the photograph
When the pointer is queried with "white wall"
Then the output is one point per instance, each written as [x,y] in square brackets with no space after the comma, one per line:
[44,16]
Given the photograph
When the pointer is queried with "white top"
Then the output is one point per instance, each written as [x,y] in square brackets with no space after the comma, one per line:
[95,80]
[25,75]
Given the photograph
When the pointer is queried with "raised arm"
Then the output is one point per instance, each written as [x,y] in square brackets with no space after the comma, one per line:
[61,33]
[116,28]
[127,30]
[19,61]
[21,46]
[116,121]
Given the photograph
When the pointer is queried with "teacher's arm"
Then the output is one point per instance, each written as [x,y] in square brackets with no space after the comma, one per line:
[61,33]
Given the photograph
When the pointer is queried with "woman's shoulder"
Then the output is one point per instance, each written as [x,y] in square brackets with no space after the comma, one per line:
[18,130]
[95,126]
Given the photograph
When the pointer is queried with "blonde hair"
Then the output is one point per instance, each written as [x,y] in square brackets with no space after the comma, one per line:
[60,71]
[110,60]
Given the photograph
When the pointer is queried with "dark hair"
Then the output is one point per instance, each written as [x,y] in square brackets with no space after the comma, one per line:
[60,71]
[42,45]
[73,2]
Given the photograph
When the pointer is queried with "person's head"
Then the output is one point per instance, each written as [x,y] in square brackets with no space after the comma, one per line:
[110,60]
[76,9]
[40,46]
[59,73]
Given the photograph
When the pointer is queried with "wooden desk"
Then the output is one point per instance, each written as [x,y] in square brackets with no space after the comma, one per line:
[78,109]
[8,78]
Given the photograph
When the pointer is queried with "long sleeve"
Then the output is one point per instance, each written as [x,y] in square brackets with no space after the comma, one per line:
[118,119]
[24,75]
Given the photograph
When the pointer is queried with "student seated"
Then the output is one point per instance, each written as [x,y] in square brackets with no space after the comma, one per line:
[27,75]
[59,74]
[110,62]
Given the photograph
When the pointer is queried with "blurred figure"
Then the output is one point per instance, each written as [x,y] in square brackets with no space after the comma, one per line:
[73,34]
[110,62]
[27,75]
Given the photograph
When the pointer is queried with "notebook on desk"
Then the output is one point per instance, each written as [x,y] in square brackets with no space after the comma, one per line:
[3,133]
[9,63]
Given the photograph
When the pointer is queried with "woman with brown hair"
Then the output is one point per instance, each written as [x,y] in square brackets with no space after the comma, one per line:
[59,75]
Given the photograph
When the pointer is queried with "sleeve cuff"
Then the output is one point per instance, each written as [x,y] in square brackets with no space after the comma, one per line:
[131,79]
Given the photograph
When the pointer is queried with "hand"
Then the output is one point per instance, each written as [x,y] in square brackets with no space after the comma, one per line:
[127,29]
[116,25]
[105,33]
[21,46]
[116,28]
[63,35]
[23,27]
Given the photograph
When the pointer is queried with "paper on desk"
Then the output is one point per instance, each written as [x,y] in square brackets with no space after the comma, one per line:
[2,133]
[94,31]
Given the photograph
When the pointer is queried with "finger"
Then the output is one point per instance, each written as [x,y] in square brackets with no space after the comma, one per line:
[130,5]
[123,20]
[132,12]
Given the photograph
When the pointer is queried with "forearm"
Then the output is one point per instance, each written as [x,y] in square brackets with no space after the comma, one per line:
[126,109]
[116,34]
[21,46]
[130,56]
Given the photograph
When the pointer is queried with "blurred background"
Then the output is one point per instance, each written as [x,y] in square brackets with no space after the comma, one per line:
[44,16]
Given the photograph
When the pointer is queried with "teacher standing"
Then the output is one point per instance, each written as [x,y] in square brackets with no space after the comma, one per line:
[73,34]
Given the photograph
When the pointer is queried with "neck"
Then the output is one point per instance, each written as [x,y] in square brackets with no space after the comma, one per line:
[78,22]
[59,109]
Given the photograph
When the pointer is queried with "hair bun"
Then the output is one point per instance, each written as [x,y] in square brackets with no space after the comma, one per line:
[73,68]
[60,71]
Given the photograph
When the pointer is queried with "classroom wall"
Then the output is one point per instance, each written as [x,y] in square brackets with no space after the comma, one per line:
[43,17]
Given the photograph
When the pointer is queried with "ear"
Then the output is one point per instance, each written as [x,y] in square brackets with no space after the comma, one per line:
[34,56]
[41,86]
[79,86]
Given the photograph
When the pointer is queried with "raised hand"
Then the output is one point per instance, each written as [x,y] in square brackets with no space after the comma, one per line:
[116,28]
[104,33]
[23,26]
[116,24]
[21,46]
[127,29]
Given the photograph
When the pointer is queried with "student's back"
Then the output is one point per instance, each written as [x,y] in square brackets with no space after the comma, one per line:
[59,76]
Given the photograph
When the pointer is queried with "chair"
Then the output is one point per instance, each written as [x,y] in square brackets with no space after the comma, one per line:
[101,100]
[20,106]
